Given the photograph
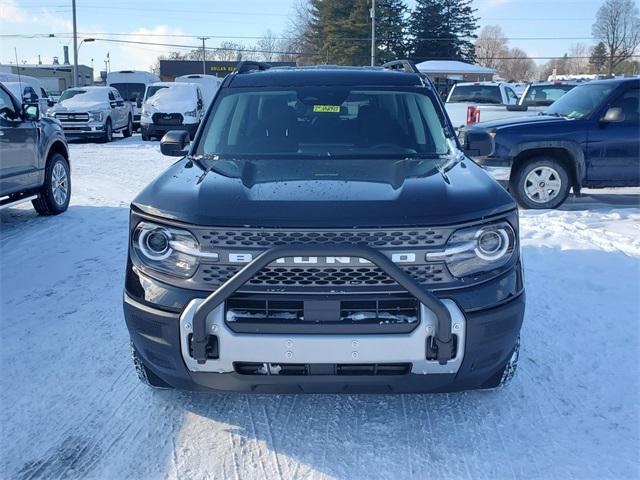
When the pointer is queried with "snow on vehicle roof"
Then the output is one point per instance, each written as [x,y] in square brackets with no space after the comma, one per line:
[452,66]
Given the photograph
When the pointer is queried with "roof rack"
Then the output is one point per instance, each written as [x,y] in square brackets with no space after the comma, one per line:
[403,64]
[249,66]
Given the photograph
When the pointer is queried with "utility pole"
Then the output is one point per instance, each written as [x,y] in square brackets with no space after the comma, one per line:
[204,55]
[75,45]
[373,33]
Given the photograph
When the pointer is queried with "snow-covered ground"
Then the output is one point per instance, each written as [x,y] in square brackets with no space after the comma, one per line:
[71,406]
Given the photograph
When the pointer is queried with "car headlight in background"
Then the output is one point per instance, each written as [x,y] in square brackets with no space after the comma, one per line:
[168,249]
[95,116]
[145,113]
[477,249]
[192,113]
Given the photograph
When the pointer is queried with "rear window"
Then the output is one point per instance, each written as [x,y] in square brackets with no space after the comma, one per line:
[486,94]
[544,95]
[323,122]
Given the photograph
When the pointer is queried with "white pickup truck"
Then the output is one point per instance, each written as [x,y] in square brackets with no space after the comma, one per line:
[470,103]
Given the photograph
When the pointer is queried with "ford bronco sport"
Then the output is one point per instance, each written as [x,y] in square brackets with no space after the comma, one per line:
[324,232]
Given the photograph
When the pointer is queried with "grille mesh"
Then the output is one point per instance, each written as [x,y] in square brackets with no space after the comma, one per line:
[374,238]
[318,277]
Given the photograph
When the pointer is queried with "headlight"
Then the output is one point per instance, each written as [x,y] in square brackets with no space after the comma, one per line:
[192,113]
[95,116]
[167,249]
[50,113]
[145,113]
[477,249]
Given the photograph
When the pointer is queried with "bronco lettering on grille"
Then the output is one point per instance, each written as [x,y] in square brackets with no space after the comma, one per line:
[395,257]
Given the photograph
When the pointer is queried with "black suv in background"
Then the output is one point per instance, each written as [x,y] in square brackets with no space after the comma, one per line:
[34,158]
[324,232]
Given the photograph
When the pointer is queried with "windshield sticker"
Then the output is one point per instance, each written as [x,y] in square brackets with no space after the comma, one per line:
[326,108]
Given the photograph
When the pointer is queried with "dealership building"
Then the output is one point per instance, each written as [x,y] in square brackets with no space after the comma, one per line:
[170,69]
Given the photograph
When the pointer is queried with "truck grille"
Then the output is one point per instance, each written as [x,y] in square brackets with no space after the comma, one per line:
[72,117]
[378,238]
[167,118]
[283,277]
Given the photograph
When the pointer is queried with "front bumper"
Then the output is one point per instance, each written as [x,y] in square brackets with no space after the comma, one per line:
[83,130]
[485,346]
[154,130]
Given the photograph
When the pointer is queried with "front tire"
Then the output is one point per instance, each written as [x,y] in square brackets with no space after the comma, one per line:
[127,132]
[540,183]
[108,132]
[56,192]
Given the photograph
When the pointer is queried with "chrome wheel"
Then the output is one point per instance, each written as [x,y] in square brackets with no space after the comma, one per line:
[59,184]
[542,184]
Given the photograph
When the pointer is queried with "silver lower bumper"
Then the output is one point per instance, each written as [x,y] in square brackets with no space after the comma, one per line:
[349,349]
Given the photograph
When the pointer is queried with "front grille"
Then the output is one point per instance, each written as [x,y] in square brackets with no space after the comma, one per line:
[72,117]
[306,369]
[377,238]
[282,277]
[167,118]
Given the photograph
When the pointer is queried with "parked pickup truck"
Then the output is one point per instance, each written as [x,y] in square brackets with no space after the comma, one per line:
[323,232]
[93,112]
[588,138]
[34,158]
[478,102]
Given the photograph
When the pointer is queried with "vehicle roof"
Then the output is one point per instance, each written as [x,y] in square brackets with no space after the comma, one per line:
[169,84]
[557,82]
[614,80]
[466,84]
[325,75]
[92,87]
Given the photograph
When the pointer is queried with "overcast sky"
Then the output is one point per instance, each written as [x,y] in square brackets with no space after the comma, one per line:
[567,21]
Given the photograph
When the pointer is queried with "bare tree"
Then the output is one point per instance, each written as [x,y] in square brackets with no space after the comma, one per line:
[617,25]
[518,66]
[297,35]
[579,54]
[268,45]
[491,46]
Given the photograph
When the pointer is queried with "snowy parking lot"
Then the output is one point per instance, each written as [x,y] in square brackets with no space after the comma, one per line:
[72,406]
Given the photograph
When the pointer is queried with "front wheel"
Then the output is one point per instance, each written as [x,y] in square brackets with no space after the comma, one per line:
[108,132]
[542,182]
[126,133]
[56,192]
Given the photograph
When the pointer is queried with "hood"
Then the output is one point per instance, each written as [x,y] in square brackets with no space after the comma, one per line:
[465,192]
[74,104]
[519,121]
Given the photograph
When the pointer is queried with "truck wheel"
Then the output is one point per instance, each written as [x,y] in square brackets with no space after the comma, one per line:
[145,375]
[145,138]
[542,182]
[505,376]
[108,132]
[56,191]
[126,133]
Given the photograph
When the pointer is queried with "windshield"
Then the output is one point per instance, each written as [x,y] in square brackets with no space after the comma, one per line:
[152,90]
[580,101]
[323,122]
[72,92]
[544,95]
[488,94]
[130,91]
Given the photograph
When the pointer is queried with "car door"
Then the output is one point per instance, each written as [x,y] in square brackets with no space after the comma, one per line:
[18,144]
[613,149]
[512,98]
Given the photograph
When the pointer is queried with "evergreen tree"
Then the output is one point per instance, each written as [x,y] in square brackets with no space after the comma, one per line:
[598,57]
[443,29]
[391,25]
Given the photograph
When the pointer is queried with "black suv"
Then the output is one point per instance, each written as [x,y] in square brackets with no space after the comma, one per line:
[34,158]
[324,232]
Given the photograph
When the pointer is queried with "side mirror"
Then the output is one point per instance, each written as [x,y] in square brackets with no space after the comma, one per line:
[174,143]
[517,108]
[613,115]
[478,143]
[31,113]
[50,102]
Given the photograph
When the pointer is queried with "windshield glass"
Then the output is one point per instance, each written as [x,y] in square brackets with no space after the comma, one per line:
[130,91]
[580,101]
[152,90]
[72,92]
[489,94]
[544,95]
[313,122]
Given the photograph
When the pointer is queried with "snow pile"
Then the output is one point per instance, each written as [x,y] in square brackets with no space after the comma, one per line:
[72,407]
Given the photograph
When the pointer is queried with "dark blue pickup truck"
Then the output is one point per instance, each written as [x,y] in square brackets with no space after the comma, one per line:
[588,138]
